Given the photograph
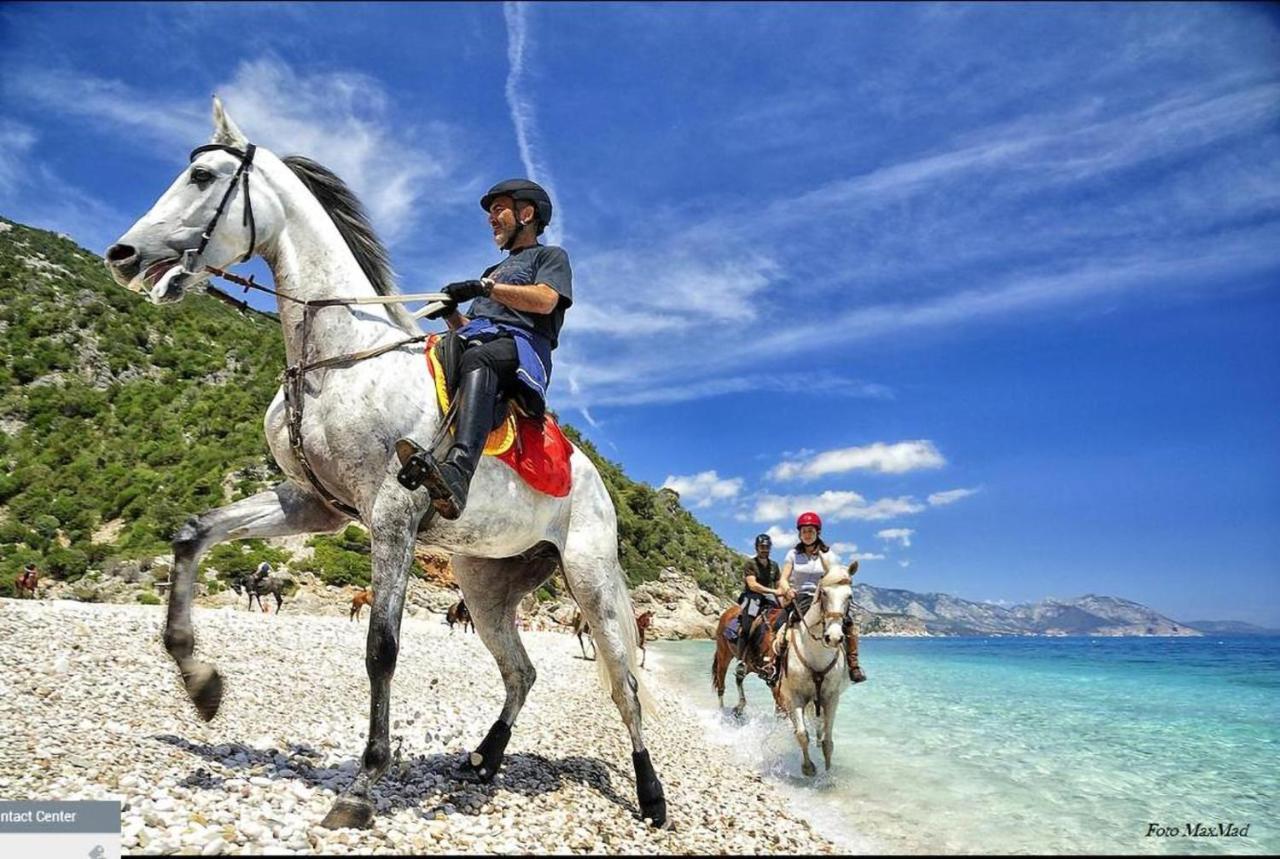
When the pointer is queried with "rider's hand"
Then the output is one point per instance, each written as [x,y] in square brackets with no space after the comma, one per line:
[447,308]
[465,290]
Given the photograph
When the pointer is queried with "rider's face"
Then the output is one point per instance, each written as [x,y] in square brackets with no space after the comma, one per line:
[808,534]
[762,550]
[504,219]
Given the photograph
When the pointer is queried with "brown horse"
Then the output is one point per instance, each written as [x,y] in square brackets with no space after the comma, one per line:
[642,627]
[27,581]
[760,664]
[581,628]
[458,613]
[361,599]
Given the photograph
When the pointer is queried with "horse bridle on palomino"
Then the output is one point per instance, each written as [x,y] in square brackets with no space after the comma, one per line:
[818,675]
[294,374]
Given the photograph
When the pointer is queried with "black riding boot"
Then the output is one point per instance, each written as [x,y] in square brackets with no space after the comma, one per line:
[448,481]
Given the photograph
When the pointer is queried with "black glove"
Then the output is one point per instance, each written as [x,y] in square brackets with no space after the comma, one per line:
[447,308]
[465,290]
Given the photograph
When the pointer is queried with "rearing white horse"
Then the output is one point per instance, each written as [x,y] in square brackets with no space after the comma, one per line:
[236,200]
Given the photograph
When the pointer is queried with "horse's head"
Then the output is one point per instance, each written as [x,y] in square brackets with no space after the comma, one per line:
[208,217]
[832,600]
[237,585]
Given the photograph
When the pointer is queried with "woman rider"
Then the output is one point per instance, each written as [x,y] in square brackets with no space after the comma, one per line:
[802,569]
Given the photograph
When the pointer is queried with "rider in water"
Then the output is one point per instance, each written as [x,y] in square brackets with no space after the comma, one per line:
[760,593]
[806,564]
[517,308]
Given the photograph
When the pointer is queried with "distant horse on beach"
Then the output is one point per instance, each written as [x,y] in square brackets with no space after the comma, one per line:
[458,613]
[262,583]
[758,663]
[348,340]
[362,598]
[27,581]
[581,628]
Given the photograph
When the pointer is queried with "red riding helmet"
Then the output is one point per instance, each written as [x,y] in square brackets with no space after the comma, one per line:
[809,519]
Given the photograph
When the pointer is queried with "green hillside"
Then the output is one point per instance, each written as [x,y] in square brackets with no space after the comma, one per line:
[118,413]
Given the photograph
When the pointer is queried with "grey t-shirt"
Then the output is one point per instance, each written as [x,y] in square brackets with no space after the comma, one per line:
[536,264]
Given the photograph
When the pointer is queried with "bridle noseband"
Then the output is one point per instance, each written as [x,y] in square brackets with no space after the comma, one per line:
[191,259]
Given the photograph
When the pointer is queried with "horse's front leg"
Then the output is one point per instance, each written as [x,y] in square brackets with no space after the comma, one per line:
[391,530]
[280,511]
[740,675]
[828,720]
[802,739]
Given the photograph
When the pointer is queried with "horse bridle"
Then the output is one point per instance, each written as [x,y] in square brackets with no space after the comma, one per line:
[820,597]
[191,258]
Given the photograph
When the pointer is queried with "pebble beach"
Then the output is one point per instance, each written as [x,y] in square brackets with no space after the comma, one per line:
[94,709]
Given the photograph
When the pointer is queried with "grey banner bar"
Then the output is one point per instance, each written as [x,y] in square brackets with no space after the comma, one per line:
[101,816]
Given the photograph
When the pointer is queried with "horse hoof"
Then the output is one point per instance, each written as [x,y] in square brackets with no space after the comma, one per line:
[485,760]
[809,769]
[349,814]
[204,688]
[656,813]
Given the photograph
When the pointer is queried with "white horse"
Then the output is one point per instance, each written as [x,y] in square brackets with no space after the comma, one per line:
[332,429]
[813,671]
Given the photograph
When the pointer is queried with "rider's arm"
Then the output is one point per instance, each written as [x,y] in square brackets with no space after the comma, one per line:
[535,298]
[456,321]
[755,587]
[784,581]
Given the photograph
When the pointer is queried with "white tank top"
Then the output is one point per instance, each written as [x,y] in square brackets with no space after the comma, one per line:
[806,570]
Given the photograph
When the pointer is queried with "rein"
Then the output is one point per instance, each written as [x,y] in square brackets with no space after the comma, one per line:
[294,375]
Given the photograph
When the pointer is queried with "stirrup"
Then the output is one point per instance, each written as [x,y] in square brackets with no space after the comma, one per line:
[414,465]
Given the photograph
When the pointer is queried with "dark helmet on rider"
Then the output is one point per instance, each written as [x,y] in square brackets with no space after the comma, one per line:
[522,190]
[763,540]
[809,519]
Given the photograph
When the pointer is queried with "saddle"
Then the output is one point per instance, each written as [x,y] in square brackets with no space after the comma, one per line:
[534,448]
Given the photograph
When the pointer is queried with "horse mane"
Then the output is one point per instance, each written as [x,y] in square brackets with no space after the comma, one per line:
[348,215]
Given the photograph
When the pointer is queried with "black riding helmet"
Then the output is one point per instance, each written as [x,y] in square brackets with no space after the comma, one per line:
[764,540]
[522,190]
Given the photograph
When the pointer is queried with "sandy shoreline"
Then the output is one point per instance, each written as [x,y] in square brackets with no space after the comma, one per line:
[95,711]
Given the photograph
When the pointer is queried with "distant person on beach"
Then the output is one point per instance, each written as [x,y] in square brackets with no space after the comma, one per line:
[803,567]
[760,593]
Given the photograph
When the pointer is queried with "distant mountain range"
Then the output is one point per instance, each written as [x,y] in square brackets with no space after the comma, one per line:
[906,612]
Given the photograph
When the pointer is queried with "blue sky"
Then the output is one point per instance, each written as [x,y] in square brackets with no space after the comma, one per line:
[991,287]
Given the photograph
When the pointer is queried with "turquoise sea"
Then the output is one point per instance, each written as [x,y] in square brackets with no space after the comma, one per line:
[1027,745]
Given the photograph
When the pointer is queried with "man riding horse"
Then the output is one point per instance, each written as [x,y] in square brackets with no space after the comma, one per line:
[759,595]
[517,308]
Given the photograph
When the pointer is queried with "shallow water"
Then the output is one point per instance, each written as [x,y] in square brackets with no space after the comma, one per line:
[1021,745]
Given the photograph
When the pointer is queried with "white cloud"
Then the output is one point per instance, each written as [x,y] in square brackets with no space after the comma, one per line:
[937,499]
[904,564]
[704,488]
[341,119]
[523,118]
[834,506]
[902,535]
[896,458]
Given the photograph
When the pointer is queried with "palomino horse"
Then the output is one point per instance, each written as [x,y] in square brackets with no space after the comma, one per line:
[813,670]
[758,663]
[458,613]
[362,598]
[355,383]
[27,581]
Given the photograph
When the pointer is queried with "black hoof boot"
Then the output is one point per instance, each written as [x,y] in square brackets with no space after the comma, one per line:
[653,803]
[486,759]
[348,813]
[415,464]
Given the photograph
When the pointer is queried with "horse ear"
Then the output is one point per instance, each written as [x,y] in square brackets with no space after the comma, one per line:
[853,569]
[225,131]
